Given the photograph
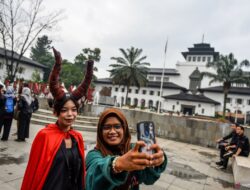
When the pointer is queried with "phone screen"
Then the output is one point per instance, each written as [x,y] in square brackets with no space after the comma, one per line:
[146,133]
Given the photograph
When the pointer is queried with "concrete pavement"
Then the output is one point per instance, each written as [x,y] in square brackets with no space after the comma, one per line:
[189,167]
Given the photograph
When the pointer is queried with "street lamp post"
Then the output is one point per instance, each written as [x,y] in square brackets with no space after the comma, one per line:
[162,76]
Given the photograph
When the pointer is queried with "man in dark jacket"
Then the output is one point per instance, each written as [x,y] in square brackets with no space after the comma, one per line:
[2,106]
[242,147]
[224,145]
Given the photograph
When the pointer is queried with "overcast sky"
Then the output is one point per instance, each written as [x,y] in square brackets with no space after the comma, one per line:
[113,24]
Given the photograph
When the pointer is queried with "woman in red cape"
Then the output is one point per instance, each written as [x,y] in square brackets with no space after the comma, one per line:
[57,155]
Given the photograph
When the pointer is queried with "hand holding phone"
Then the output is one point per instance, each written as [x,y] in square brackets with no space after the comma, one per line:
[146,133]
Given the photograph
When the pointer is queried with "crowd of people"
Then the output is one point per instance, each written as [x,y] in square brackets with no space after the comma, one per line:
[19,105]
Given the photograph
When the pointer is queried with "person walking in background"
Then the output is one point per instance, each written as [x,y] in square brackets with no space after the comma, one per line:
[2,106]
[9,103]
[35,103]
[25,108]
[117,164]
[56,159]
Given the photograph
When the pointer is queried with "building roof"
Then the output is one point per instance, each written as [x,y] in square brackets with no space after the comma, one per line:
[23,60]
[150,84]
[167,71]
[191,98]
[232,90]
[200,49]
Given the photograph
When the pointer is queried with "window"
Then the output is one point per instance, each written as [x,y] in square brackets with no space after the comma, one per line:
[151,78]
[136,91]
[144,92]
[116,89]
[159,93]
[21,70]
[199,59]
[151,92]
[123,89]
[199,105]
[177,102]
[189,58]
[194,59]
[129,90]
[239,101]
[203,59]
[1,65]
[173,107]
[248,102]
[208,59]
[228,100]
[166,79]
[239,85]
[158,78]
[203,111]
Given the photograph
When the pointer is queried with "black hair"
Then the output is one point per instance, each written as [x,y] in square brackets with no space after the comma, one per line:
[242,128]
[237,124]
[58,104]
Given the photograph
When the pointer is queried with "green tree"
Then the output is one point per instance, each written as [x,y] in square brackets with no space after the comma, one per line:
[36,76]
[130,69]
[40,53]
[87,54]
[73,73]
[228,72]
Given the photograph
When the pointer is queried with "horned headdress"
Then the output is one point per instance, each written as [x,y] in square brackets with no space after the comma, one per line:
[57,90]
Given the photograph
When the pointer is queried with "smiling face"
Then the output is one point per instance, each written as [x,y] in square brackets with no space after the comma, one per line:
[112,131]
[67,114]
[239,131]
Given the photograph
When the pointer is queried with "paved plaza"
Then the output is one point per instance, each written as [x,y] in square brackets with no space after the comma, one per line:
[189,167]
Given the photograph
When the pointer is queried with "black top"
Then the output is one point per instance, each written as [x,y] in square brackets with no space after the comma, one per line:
[233,136]
[243,144]
[24,107]
[66,170]
[2,105]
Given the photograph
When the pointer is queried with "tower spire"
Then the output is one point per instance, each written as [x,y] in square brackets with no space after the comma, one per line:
[203,36]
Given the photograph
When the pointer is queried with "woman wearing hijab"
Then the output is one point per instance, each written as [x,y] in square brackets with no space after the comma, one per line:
[9,104]
[57,155]
[115,163]
[25,108]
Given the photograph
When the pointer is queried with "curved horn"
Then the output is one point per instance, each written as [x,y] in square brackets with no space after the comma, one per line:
[54,85]
[83,87]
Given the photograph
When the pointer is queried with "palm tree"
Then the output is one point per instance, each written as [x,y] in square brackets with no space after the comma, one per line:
[130,69]
[228,72]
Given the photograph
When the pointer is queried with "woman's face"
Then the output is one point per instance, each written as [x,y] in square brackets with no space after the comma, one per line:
[67,114]
[112,131]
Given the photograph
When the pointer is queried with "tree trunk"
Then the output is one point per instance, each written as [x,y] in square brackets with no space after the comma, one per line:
[126,99]
[226,87]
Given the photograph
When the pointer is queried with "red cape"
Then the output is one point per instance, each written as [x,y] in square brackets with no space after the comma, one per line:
[43,151]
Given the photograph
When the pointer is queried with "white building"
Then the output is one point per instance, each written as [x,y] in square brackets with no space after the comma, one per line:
[28,67]
[184,91]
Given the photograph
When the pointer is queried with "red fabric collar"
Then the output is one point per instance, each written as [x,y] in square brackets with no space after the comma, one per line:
[43,151]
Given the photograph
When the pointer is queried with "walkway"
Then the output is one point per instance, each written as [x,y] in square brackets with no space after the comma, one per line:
[190,166]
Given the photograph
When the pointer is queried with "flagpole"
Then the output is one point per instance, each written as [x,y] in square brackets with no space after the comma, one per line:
[162,77]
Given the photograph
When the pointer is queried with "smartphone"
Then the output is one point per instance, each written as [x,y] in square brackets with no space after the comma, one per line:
[146,133]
